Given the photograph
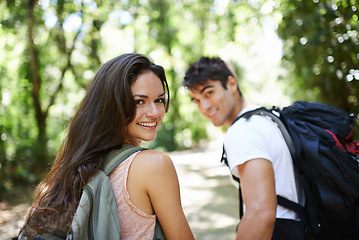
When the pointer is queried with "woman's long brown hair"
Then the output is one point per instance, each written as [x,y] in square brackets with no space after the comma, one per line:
[98,127]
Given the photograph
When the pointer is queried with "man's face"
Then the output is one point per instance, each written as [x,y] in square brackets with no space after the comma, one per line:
[215,102]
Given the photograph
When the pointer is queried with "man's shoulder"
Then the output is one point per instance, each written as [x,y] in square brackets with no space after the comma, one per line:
[253,124]
[248,108]
[253,120]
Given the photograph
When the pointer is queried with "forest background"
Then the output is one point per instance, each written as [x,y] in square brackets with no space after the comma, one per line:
[281,51]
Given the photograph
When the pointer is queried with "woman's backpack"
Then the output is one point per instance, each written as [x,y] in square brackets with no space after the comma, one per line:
[96,216]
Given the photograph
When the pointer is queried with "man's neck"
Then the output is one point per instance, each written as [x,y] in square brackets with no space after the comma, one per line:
[241,104]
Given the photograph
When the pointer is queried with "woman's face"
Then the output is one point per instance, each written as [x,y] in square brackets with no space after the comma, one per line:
[150,108]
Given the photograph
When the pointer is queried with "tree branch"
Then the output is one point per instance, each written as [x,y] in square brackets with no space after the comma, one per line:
[68,52]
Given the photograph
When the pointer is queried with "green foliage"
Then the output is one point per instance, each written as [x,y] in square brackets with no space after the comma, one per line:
[51,50]
[39,59]
[321,47]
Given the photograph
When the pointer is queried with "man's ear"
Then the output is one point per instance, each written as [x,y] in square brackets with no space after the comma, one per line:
[232,84]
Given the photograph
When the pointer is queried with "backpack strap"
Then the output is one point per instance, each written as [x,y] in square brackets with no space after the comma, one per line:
[158,235]
[270,113]
[97,213]
[299,209]
[115,157]
[284,202]
[262,111]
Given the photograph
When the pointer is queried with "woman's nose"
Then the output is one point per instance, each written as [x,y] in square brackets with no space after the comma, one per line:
[153,110]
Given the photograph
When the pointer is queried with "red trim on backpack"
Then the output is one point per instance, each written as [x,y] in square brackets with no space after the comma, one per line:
[337,142]
[351,146]
[351,134]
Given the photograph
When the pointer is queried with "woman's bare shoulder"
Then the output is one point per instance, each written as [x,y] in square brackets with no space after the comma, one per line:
[154,160]
[153,157]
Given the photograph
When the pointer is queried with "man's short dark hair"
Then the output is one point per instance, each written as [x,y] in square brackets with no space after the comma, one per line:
[205,69]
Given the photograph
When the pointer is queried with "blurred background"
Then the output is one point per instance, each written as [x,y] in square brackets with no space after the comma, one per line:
[281,51]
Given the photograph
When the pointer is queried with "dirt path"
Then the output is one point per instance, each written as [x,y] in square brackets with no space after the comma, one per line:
[11,219]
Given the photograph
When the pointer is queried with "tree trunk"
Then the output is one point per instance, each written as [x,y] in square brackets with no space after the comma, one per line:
[40,150]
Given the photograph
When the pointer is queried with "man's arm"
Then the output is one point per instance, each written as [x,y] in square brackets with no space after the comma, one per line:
[259,197]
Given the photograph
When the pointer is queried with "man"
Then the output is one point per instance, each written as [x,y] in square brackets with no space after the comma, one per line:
[255,148]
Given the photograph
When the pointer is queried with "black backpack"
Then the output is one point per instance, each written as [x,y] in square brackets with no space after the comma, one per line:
[326,162]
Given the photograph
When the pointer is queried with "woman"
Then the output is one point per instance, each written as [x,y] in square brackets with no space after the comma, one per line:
[125,103]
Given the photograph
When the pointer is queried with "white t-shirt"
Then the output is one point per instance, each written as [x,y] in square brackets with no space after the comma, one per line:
[260,137]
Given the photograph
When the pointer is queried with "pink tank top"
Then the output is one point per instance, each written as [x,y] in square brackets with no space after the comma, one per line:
[135,223]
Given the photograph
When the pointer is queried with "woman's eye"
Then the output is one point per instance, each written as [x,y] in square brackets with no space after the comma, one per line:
[161,100]
[139,102]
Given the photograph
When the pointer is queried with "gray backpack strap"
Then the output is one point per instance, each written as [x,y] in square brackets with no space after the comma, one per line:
[262,111]
[97,214]
[115,157]
[159,235]
[265,112]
